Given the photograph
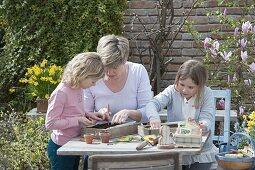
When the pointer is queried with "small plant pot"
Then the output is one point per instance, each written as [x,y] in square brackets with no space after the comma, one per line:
[104,136]
[41,105]
[88,138]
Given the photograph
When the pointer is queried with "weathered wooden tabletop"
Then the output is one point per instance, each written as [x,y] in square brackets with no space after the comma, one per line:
[78,147]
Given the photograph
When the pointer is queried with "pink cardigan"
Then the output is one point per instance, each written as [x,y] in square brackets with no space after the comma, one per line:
[65,107]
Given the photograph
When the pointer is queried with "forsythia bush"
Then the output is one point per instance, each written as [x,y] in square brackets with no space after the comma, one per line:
[42,79]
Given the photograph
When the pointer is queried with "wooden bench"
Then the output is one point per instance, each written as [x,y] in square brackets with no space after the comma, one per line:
[136,161]
[219,116]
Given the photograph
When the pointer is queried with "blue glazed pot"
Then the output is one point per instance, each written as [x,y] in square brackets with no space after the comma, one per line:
[234,163]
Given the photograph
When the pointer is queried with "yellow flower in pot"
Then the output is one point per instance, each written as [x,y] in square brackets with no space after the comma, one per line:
[42,79]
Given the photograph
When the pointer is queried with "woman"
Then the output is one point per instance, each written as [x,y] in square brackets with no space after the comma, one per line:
[125,89]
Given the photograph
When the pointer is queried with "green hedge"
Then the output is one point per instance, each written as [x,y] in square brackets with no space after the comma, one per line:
[55,30]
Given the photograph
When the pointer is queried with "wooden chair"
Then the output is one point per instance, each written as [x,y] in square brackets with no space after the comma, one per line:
[143,161]
[226,94]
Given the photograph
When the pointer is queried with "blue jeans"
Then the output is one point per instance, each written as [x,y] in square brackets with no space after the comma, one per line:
[58,162]
[86,162]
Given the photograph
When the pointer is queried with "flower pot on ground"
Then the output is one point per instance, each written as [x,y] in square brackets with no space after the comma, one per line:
[42,105]
[88,138]
[104,136]
[237,159]
[233,163]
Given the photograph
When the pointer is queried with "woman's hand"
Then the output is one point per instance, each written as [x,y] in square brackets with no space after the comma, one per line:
[120,117]
[155,124]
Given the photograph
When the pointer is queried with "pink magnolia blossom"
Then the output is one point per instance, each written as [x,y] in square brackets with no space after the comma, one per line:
[244,55]
[225,12]
[234,77]
[236,31]
[226,55]
[228,78]
[241,110]
[247,82]
[242,43]
[207,42]
[213,52]
[246,26]
[253,30]
[215,48]
[212,46]
[216,45]
[252,67]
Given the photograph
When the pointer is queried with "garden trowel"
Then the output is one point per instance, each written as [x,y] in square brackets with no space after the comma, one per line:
[147,140]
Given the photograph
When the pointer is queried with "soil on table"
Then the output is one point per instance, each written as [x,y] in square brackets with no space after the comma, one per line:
[146,125]
[103,126]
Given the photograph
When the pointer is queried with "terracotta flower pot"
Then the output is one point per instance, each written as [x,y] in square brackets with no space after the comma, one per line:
[105,137]
[42,105]
[88,138]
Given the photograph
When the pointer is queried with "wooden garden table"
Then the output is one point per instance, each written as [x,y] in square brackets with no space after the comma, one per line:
[78,147]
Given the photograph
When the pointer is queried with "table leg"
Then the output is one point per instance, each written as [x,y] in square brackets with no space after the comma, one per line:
[180,161]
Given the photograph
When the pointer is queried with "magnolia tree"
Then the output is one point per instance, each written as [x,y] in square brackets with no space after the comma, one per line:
[230,57]
[232,63]
[229,51]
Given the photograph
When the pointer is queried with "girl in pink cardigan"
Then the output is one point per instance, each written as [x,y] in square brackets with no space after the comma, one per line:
[66,107]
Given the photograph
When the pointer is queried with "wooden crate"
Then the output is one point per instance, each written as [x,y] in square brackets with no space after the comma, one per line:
[116,131]
[181,140]
[193,140]
[146,129]
[188,140]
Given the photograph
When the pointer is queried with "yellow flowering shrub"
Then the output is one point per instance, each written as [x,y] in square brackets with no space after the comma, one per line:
[249,121]
[42,79]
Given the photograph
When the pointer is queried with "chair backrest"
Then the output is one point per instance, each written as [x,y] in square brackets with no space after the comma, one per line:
[226,94]
[153,160]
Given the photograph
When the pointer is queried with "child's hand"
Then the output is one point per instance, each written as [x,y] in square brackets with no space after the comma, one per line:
[203,126]
[95,116]
[85,121]
[106,113]
[155,124]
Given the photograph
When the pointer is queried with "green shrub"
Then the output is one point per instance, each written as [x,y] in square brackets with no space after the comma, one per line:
[55,30]
[22,142]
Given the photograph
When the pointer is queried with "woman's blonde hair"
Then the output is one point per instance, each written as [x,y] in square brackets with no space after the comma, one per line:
[195,70]
[82,66]
[113,49]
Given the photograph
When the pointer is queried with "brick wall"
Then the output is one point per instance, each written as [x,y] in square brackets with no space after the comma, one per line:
[184,47]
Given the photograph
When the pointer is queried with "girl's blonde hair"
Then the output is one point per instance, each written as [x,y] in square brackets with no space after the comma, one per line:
[195,70]
[82,66]
[113,49]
